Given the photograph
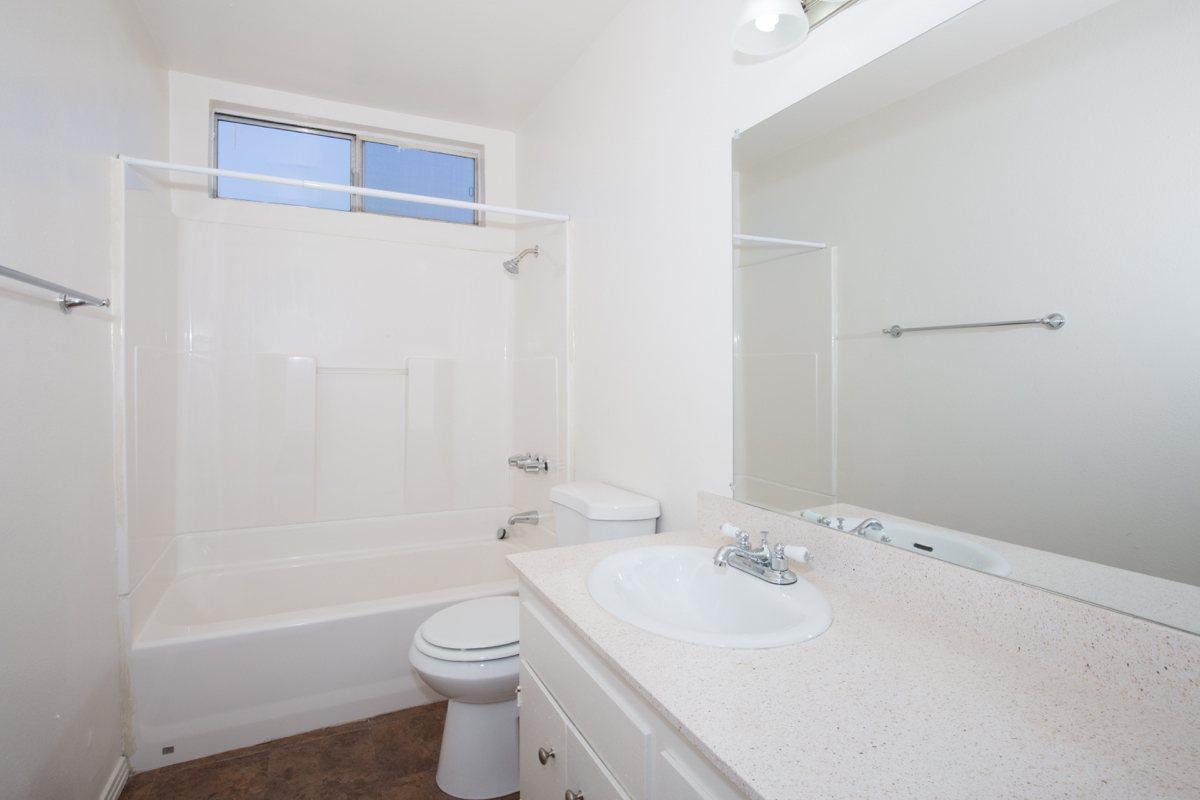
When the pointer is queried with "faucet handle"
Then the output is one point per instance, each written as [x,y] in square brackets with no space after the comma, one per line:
[779,557]
[743,540]
[796,553]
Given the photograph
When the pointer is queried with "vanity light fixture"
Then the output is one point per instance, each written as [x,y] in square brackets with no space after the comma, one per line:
[766,27]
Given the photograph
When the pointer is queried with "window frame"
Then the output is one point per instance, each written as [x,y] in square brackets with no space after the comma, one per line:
[357,138]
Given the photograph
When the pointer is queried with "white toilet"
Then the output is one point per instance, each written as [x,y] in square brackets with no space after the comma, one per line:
[470,651]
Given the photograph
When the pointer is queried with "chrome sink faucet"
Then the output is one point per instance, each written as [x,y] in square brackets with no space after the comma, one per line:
[765,563]
[869,526]
[865,528]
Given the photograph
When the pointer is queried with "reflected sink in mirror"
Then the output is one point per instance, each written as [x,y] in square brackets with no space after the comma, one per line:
[676,591]
[933,542]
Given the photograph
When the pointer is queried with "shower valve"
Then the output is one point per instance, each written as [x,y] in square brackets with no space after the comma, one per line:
[529,463]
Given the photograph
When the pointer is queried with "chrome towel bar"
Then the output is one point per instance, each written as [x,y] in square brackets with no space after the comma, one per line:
[1051,321]
[67,298]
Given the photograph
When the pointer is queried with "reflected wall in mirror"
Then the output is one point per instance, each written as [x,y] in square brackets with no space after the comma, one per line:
[1059,176]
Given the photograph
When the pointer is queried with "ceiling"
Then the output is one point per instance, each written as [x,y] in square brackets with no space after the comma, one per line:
[486,62]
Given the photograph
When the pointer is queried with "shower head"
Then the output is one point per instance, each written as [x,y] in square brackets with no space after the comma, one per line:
[513,265]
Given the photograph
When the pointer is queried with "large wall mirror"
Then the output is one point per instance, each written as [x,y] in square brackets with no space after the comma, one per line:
[1059,177]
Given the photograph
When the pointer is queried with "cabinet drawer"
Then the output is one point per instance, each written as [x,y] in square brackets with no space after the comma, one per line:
[542,729]
[586,776]
[617,733]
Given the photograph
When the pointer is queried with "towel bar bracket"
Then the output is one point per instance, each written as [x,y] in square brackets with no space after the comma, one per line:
[67,302]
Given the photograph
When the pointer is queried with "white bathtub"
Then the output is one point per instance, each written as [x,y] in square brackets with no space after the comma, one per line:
[237,652]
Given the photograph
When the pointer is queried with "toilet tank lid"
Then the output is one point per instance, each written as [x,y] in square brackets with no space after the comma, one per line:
[596,500]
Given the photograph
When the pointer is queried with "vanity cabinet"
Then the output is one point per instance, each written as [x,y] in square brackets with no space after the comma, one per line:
[585,734]
[554,757]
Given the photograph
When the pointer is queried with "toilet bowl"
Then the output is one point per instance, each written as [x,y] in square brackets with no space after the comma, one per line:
[469,653]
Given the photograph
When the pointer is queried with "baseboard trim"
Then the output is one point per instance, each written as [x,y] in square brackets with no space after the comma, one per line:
[117,780]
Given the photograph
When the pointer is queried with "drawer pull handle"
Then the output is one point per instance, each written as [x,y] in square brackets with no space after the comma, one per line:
[573,795]
[545,754]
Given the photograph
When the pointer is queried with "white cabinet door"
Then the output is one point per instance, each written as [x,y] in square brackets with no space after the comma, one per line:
[586,776]
[673,780]
[542,737]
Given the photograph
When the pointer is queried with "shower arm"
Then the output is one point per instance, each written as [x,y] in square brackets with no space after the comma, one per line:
[513,265]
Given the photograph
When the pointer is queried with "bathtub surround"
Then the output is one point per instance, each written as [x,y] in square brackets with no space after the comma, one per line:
[932,681]
[784,370]
[265,364]
[266,407]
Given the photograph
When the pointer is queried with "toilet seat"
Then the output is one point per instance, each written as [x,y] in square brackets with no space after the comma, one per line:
[478,654]
[485,629]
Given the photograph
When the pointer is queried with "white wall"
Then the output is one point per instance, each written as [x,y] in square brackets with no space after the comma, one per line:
[1059,177]
[79,85]
[634,143]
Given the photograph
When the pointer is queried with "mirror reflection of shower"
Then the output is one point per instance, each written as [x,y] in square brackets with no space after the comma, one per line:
[513,265]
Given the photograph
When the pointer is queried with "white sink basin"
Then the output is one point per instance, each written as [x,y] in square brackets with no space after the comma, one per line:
[678,592]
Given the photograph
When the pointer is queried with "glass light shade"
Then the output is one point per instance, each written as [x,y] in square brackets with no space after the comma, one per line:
[753,33]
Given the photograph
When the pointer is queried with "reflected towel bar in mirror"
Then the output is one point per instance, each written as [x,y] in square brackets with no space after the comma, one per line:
[1051,321]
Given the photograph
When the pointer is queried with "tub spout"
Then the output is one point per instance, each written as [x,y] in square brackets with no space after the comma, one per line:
[524,518]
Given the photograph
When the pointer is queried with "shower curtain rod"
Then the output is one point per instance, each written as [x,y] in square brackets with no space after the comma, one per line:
[340,187]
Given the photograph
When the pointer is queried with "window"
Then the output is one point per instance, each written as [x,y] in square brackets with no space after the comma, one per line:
[402,169]
[292,151]
[288,152]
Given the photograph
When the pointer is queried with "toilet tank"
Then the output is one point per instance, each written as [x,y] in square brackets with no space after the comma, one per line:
[590,511]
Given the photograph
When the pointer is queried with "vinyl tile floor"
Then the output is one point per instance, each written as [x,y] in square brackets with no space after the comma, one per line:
[389,757]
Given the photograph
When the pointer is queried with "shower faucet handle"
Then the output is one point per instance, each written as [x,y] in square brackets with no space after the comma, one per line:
[536,464]
[529,463]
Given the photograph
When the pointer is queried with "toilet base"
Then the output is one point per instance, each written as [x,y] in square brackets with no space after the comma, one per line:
[479,750]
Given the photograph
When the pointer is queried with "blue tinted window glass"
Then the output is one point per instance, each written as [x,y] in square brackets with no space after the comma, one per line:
[397,169]
[246,147]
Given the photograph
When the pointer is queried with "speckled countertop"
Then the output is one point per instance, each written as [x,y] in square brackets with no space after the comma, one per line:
[902,697]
